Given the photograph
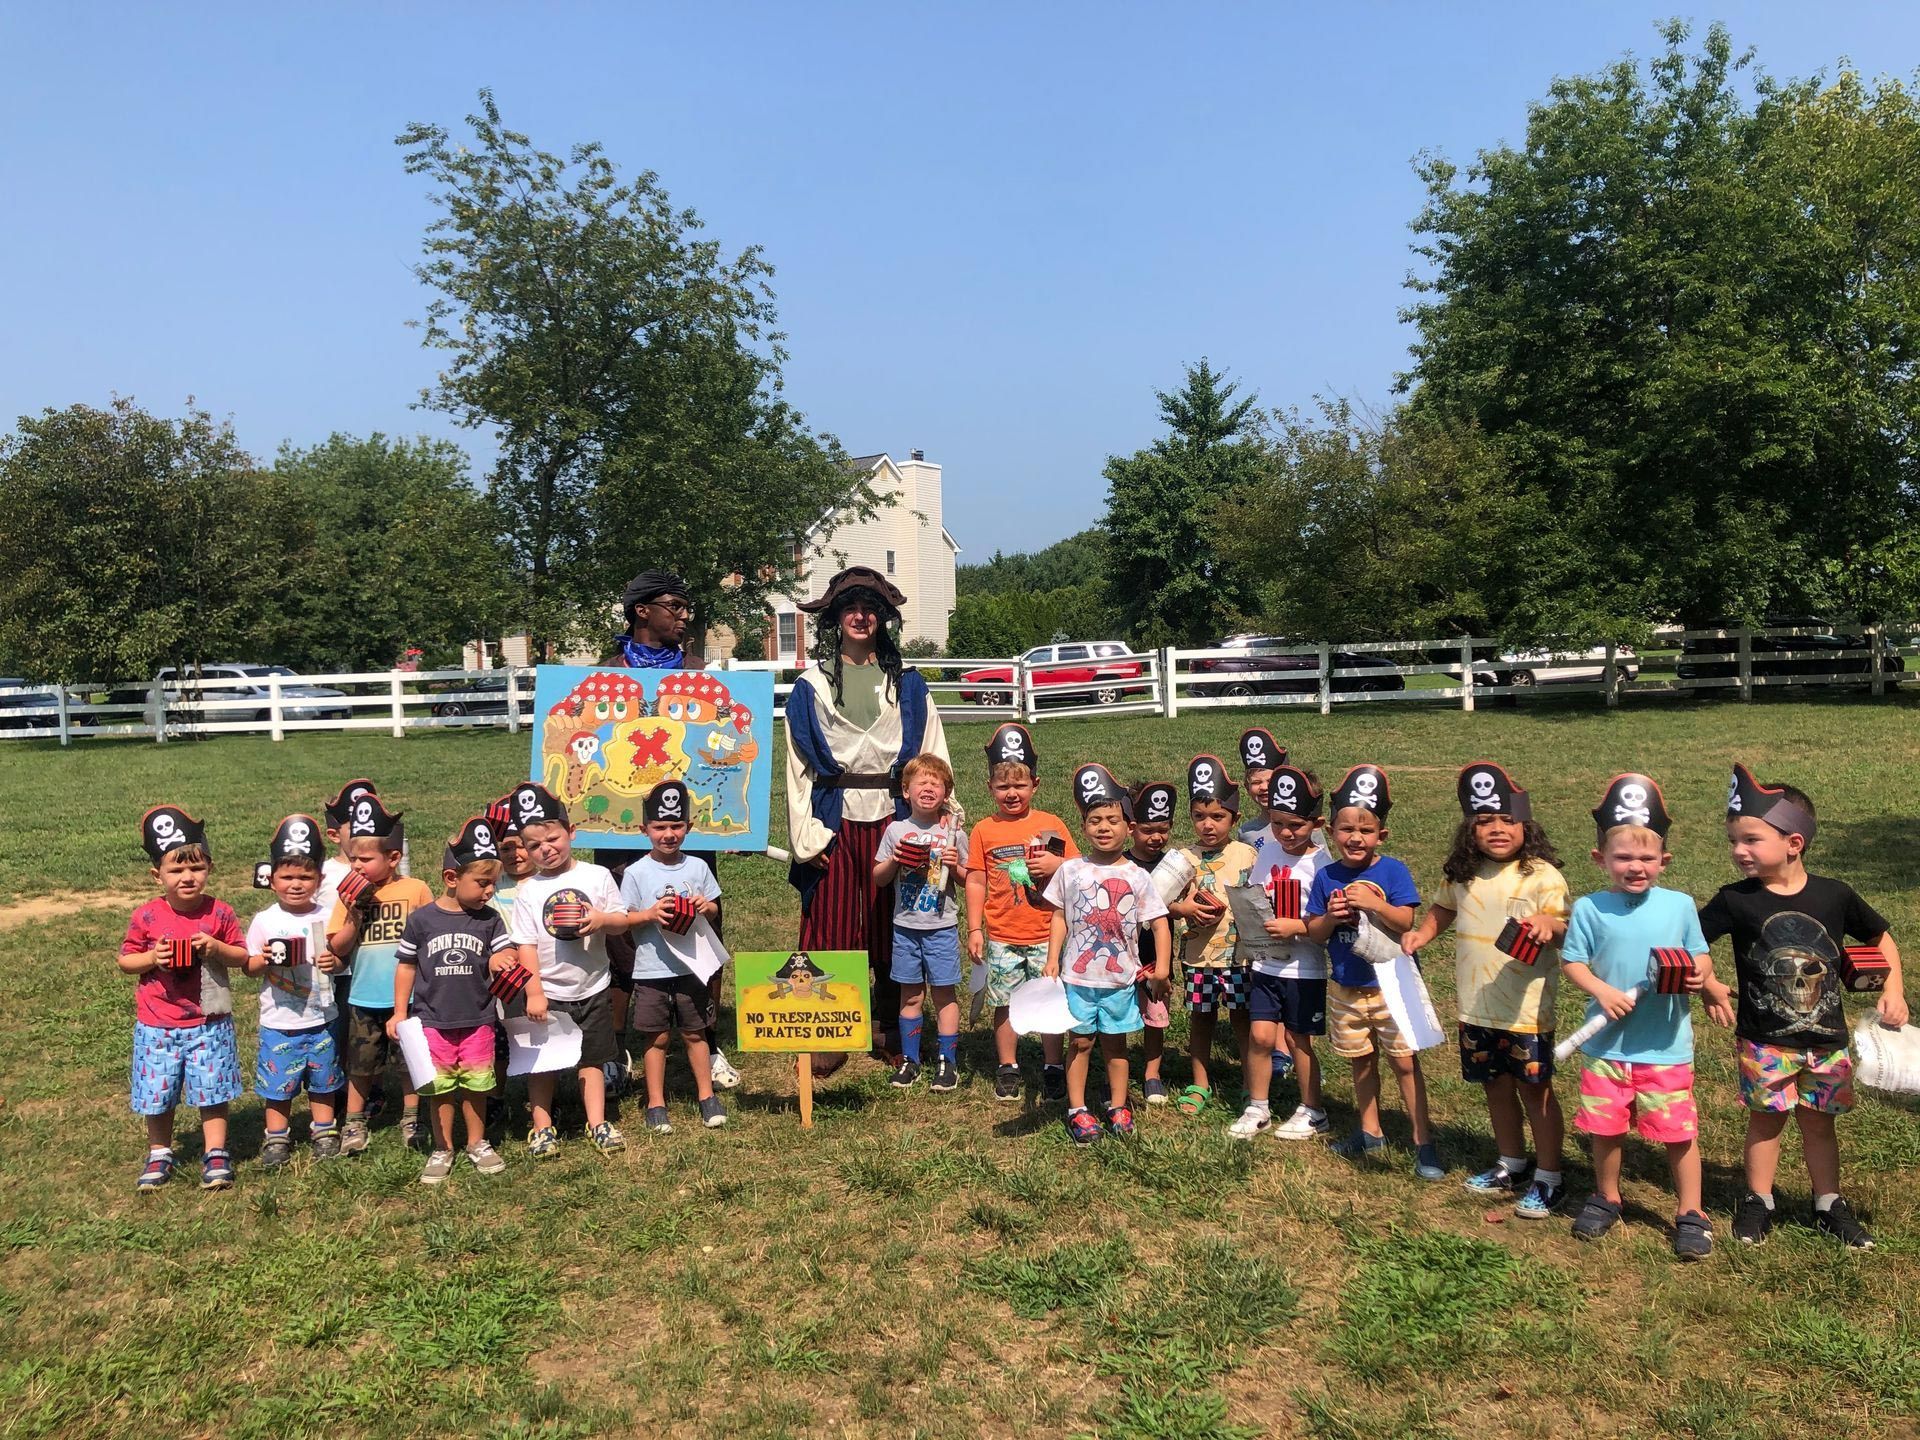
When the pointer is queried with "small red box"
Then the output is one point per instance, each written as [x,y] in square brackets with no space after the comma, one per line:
[356,892]
[508,983]
[565,919]
[914,853]
[1283,891]
[176,954]
[1672,967]
[1863,967]
[1520,942]
[287,950]
[682,911]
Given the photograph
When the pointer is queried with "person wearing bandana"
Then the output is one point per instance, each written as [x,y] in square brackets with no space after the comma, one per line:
[854,719]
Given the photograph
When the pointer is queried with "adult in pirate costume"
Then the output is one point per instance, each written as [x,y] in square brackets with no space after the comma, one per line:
[854,718]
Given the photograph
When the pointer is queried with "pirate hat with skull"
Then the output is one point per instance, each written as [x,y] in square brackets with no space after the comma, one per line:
[368,818]
[1633,800]
[1260,751]
[1209,784]
[339,809]
[531,804]
[1094,785]
[168,827]
[668,801]
[1153,802]
[1486,789]
[1364,787]
[1748,798]
[474,841]
[799,966]
[298,838]
[1292,792]
[1012,745]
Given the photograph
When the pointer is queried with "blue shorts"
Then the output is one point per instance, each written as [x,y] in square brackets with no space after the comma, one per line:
[294,1059]
[1100,1011]
[197,1065]
[1300,1005]
[929,957]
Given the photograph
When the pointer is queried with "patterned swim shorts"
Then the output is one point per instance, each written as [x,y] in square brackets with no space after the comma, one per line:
[1655,1099]
[1222,988]
[1773,1079]
[1008,965]
[195,1065]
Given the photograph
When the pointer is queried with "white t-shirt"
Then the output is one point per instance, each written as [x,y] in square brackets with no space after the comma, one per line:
[1105,906]
[1272,865]
[332,872]
[569,969]
[916,904]
[293,997]
[647,881]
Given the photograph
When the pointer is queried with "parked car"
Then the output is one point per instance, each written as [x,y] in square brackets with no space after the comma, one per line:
[1717,658]
[1105,663]
[473,697]
[1522,668]
[1257,671]
[22,703]
[297,702]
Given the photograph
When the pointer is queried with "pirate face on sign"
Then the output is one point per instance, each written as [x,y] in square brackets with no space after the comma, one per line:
[1012,745]
[1632,799]
[1486,789]
[1292,792]
[1748,799]
[800,979]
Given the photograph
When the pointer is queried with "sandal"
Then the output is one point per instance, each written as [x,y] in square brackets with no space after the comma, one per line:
[1120,1119]
[1193,1100]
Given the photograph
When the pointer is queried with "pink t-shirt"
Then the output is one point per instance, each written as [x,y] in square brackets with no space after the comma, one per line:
[181,999]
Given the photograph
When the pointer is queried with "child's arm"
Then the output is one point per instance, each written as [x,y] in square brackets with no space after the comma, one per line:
[1892,1006]
[529,956]
[344,941]
[1719,998]
[212,947]
[1056,942]
[976,914]
[1162,956]
[403,973]
[1391,917]
[885,870]
[1614,1003]
[1439,918]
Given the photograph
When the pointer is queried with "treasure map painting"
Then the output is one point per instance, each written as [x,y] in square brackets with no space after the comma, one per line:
[604,736]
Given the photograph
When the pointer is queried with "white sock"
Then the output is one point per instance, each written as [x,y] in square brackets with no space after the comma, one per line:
[1315,1111]
[1767,1200]
[1514,1163]
[1823,1203]
[1548,1178]
[1260,1106]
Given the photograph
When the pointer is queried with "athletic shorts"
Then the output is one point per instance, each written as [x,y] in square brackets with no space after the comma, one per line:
[1297,1003]
[1009,965]
[1359,1023]
[368,1048]
[293,1060]
[681,1002]
[462,1060]
[1487,1054]
[195,1065]
[1655,1099]
[1098,1010]
[594,1016]
[1220,988]
[926,957]
[1773,1079]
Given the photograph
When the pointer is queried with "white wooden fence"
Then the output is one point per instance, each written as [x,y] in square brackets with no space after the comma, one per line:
[1462,673]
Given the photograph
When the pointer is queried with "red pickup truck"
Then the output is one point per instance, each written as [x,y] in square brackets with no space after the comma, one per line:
[1105,664]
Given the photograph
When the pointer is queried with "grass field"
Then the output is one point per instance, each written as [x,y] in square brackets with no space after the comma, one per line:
[923,1265]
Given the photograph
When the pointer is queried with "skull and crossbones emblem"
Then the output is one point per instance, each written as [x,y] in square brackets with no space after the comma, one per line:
[1630,805]
[1283,791]
[1733,795]
[1203,778]
[1090,786]
[363,817]
[1158,807]
[483,843]
[1366,787]
[1011,747]
[299,839]
[670,804]
[528,799]
[167,832]
[1481,788]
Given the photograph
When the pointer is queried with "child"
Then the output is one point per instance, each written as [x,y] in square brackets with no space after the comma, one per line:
[287,950]
[1502,871]
[1215,980]
[1099,904]
[925,851]
[1362,881]
[515,866]
[367,930]
[1788,927]
[445,960]
[1152,828]
[1260,756]
[180,946]
[560,915]
[1287,983]
[1011,857]
[337,812]
[1640,1068]
[667,994]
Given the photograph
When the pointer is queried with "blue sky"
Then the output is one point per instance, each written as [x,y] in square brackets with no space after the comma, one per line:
[997,228]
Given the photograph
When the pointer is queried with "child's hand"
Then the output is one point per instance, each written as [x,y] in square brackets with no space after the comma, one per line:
[1159,987]
[326,962]
[1614,1004]
[1892,1008]
[1409,944]
[1541,925]
[1364,898]
[203,944]
[1340,906]
[950,857]
[599,922]
[976,945]
[393,1027]
[1278,928]
[536,1006]
[1042,866]
[1051,970]
[707,906]
[1720,1005]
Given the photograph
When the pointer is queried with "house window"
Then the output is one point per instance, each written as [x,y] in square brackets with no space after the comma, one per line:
[890,562]
[789,624]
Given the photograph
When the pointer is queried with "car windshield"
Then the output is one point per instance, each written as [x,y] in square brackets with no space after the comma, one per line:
[1038,654]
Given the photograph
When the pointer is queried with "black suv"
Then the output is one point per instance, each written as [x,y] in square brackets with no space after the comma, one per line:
[1260,672]
[1717,657]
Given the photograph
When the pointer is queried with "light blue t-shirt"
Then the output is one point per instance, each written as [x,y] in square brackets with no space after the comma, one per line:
[647,881]
[1613,935]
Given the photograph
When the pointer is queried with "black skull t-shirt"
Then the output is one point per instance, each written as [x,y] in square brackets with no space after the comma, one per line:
[1786,956]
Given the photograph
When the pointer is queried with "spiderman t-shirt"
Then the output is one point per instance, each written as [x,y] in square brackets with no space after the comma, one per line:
[1105,906]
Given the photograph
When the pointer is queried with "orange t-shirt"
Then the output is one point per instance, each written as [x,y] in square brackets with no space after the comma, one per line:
[1016,915]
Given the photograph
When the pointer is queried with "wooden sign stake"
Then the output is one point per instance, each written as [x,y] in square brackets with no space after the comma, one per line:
[806,1090]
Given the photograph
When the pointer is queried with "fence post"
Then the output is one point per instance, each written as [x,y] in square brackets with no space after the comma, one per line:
[159,700]
[1613,677]
[1169,691]
[61,707]
[513,700]
[1466,672]
[1873,659]
[399,713]
[275,720]
[1745,640]
[1326,677]
[1023,702]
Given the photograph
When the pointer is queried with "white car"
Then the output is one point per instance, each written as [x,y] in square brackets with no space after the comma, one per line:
[1524,668]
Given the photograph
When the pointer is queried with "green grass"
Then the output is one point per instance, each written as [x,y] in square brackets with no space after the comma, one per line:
[919,1265]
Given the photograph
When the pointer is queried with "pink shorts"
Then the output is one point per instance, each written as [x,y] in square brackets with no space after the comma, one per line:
[1153,1011]
[1773,1080]
[462,1059]
[1656,1099]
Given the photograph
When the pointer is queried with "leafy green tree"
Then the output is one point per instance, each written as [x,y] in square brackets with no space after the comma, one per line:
[1008,622]
[1165,581]
[1686,318]
[632,371]
[129,541]
[1077,560]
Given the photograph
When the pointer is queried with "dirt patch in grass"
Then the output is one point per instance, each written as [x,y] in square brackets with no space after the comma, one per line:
[63,903]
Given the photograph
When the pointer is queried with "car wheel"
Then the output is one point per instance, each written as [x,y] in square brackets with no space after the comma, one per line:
[1521,680]
[451,709]
[1108,696]
[1239,690]
[1622,677]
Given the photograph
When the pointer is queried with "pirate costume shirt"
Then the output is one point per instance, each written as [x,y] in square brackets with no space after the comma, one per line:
[1786,957]
[1105,906]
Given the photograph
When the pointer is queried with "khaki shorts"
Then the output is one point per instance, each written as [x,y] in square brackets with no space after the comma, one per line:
[1359,1023]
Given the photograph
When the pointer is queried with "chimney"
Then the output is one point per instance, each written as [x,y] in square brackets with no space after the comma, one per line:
[919,454]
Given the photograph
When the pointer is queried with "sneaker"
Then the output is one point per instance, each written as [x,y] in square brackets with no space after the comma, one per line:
[1752,1220]
[439,1166]
[326,1145]
[353,1135]
[1838,1220]
[1082,1126]
[1155,1089]
[216,1171]
[722,1073]
[543,1143]
[903,1078]
[1497,1179]
[1596,1218]
[656,1120]
[1426,1163]
[411,1131]
[606,1139]
[158,1171]
[1053,1082]
[1540,1201]
[1692,1236]
[1359,1145]
[1120,1119]
[275,1152]
[1006,1083]
[946,1076]
[1304,1124]
[1282,1064]
[712,1115]
[486,1159]
[1250,1123]
[618,1075]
